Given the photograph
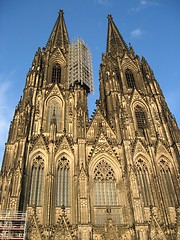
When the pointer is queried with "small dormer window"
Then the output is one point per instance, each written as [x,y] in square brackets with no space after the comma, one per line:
[56,74]
[130,78]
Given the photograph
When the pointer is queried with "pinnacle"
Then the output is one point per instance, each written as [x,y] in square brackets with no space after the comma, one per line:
[110,17]
[61,12]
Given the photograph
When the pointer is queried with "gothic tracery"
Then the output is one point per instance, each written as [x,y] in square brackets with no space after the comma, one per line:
[101,178]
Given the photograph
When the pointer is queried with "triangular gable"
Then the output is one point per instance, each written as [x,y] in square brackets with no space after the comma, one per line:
[39,143]
[156,231]
[161,150]
[140,148]
[57,55]
[127,62]
[137,97]
[98,124]
[33,231]
[63,228]
[101,146]
[55,91]
[111,231]
[64,145]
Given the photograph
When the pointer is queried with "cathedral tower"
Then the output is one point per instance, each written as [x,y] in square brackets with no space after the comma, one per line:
[114,176]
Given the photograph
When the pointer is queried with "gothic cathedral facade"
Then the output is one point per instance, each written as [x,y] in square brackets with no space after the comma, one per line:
[114,176]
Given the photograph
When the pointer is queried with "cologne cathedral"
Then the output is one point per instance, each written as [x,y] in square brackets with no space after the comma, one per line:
[113,176]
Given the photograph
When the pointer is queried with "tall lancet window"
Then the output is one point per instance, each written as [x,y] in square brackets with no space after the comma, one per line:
[63,183]
[37,182]
[167,183]
[56,74]
[130,79]
[16,180]
[54,108]
[144,182]
[105,193]
[140,117]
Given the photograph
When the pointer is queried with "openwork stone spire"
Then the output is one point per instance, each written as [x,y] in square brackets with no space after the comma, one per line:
[59,35]
[115,41]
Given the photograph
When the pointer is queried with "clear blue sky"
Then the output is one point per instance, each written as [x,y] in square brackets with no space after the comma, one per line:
[151,26]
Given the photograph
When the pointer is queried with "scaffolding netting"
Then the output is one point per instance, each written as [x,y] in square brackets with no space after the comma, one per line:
[80,65]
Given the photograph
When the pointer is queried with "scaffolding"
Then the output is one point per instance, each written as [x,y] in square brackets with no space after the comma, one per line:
[13,225]
[80,65]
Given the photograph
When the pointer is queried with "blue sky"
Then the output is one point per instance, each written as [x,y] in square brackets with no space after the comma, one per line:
[151,26]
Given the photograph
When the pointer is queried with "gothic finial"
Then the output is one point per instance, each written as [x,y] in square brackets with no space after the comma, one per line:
[61,12]
[110,17]
[131,50]
[63,209]
[97,102]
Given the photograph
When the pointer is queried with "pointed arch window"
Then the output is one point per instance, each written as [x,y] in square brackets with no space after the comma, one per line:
[37,182]
[54,106]
[63,183]
[56,74]
[130,79]
[140,117]
[144,182]
[105,191]
[167,183]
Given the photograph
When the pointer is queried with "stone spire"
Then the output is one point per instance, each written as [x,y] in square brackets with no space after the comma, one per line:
[115,42]
[59,35]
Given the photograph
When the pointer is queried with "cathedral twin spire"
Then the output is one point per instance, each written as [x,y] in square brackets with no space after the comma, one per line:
[59,35]
[100,179]
[115,41]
